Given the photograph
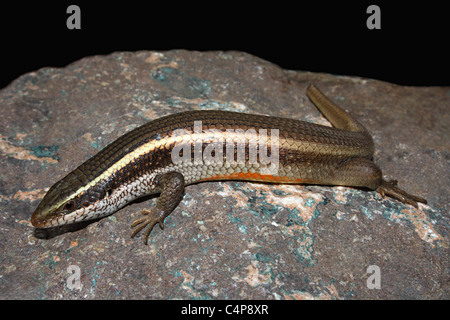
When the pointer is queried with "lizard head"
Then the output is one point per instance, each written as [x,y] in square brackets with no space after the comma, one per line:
[68,201]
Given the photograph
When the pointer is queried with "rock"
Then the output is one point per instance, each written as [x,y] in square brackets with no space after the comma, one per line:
[226,240]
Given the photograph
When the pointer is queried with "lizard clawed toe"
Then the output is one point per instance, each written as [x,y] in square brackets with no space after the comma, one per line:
[151,217]
[390,188]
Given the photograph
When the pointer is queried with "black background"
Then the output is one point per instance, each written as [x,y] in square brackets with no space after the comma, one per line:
[101,309]
[410,49]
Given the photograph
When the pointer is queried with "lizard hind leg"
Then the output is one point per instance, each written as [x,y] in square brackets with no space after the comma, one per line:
[362,172]
[357,172]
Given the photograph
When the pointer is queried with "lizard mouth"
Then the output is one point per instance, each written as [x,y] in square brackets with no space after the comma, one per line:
[39,222]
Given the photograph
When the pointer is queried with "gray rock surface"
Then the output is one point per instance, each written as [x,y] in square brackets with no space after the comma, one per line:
[226,240]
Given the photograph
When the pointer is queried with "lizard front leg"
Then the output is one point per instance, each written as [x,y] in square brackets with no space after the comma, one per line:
[172,191]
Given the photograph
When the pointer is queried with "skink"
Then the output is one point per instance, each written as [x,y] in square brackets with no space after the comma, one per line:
[165,155]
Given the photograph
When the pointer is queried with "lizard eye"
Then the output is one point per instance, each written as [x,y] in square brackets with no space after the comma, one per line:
[69,205]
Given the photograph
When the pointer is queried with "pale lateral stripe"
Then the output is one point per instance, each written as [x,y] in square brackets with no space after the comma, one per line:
[152,145]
